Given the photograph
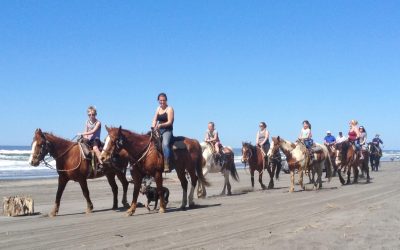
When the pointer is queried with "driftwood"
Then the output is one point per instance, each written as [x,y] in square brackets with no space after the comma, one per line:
[16,205]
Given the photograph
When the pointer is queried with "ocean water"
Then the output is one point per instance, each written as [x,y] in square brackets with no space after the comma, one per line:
[14,163]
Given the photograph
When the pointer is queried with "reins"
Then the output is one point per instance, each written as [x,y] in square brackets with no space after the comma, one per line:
[145,153]
[48,165]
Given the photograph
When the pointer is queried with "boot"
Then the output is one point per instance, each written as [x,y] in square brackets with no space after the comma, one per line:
[166,167]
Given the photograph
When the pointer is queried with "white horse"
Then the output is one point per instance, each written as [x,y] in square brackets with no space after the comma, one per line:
[211,166]
[297,158]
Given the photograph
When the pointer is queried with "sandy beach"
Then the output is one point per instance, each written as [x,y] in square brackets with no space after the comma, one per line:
[361,216]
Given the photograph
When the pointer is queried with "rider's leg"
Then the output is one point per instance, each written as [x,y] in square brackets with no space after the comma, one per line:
[97,152]
[166,135]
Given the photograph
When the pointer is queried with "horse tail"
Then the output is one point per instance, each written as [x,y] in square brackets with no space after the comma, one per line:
[199,168]
[234,172]
[328,163]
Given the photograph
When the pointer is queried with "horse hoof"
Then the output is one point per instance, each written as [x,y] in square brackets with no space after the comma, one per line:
[52,214]
[161,211]
[229,194]
[114,208]
[291,190]
[89,211]
[126,205]
[192,205]
[182,208]
[129,213]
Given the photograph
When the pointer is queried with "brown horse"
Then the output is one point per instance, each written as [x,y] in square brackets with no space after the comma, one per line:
[298,158]
[71,165]
[346,156]
[145,151]
[210,166]
[254,157]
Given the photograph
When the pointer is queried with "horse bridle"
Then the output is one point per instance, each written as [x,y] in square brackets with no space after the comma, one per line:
[248,154]
[44,149]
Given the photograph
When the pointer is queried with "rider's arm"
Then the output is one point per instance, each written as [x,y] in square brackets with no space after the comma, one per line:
[170,113]
[258,132]
[154,122]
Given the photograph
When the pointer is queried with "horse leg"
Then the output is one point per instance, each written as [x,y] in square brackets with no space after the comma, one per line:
[201,190]
[339,171]
[184,184]
[367,170]
[301,182]
[114,188]
[137,181]
[318,183]
[227,183]
[252,178]
[62,182]
[271,176]
[125,184]
[160,190]
[193,178]
[348,174]
[85,190]
[291,189]
[260,175]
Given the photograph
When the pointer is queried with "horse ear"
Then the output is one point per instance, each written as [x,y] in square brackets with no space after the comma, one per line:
[120,130]
[278,138]
[107,128]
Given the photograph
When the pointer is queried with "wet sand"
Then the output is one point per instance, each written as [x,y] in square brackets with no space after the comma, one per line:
[359,216]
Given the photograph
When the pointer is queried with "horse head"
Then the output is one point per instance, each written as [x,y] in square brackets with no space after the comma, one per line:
[341,152]
[115,142]
[247,152]
[40,148]
[274,148]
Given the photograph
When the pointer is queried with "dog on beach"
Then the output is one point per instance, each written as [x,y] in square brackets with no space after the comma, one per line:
[152,194]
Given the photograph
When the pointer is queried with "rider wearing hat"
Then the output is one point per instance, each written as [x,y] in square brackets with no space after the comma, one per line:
[329,139]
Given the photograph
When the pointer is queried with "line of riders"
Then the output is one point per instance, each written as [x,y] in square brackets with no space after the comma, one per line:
[163,122]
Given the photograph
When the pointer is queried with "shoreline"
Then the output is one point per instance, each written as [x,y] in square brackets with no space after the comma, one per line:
[335,217]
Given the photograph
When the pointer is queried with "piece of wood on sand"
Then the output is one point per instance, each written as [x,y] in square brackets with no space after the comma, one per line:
[17,205]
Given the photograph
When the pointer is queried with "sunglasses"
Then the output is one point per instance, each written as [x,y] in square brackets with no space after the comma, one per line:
[91,115]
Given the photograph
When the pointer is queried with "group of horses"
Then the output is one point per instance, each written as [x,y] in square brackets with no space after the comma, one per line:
[142,155]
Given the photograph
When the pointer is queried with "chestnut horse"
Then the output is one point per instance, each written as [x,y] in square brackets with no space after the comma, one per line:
[253,156]
[297,158]
[211,166]
[346,156]
[71,165]
[145,151]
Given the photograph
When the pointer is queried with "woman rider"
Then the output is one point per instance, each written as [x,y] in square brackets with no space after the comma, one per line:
[306,135]
[262,138]
[354,134]
[163,120]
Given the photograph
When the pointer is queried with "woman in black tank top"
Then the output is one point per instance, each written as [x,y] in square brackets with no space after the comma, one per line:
[164,120]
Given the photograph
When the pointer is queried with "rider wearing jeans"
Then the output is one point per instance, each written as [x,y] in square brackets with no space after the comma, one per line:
[163,120]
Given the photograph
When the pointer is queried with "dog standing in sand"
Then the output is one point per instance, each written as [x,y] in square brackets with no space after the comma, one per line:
[151,193]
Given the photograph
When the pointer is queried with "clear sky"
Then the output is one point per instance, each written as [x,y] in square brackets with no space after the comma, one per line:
[232,62]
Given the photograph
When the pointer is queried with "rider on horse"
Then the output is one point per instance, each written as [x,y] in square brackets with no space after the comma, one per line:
[92,133]
[163,121]
[354,135]
[305,137]
[262,139]
[213,138]
[376,141]
[363,140]
[329,139]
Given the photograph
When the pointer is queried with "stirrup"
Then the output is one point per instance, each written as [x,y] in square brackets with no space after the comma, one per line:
[167,169]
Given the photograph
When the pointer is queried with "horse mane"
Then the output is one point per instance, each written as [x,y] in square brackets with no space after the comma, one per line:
[60,140]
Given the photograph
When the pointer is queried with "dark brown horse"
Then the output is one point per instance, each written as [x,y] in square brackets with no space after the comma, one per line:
[71,165]
[145,152]
[253,156]
[346,156]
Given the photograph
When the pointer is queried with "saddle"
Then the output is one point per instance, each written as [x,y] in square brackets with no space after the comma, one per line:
[88,154]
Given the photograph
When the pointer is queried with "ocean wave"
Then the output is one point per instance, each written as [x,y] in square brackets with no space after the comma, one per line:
[15,152]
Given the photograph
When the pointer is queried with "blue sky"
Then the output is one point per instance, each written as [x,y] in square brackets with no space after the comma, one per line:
[232,62]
